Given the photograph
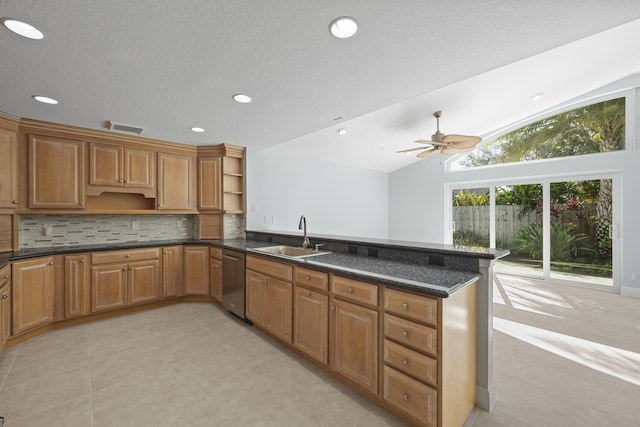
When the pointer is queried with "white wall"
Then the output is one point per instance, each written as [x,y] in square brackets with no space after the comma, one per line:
[416,193]
[335,199]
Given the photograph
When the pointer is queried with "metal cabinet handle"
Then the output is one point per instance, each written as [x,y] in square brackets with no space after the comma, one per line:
[51,263]
[350,290]
[405,306]
[15,202]
[6,295]
[307,278]
[333,308]
[405,334]
[405,362]
[309,294]
[5,277]
[127,256]
[80,261]
[405,397]
[121,180]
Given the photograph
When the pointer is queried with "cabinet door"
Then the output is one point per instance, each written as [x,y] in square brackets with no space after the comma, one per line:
[209,183]
[196,270]
[279,314]
[5,304]
[176,182]
[33,284]
[56,173]
[215,275]
[108,287]
[140,168]
[143,281]
[172,271]
[105,165]
[354,343]
[8,169]
[256,298]
[76,286]
[311,323]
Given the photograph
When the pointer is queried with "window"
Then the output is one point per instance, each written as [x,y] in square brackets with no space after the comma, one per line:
[595,128]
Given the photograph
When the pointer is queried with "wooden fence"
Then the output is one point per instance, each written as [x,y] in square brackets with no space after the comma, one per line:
[475,220]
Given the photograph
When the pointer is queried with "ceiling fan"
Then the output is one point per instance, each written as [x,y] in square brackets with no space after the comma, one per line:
[445,144]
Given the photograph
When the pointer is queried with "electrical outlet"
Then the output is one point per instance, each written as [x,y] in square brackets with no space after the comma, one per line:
[634,277]
[253,208]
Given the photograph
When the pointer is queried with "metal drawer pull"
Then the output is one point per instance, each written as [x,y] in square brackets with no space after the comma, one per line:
[405,362]
[308,278]
[309,294]
[405,334]
[6,295]
[405,306]
[51,263]
[405,397]
[350,290]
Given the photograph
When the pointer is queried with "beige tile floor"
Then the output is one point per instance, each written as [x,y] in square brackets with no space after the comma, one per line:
[564,356]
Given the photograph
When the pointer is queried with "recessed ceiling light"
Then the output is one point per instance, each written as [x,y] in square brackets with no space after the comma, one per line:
[536,97]
[22,28]
[197,129]
[341,131]
[241,98]
[343,27]
[44,99]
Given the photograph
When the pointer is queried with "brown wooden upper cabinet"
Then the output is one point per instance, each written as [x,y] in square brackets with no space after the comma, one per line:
[210,183]
[176,182]
[55,173]
[121,169]
[8,169]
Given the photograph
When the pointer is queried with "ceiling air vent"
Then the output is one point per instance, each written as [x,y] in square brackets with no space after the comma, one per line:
[119,127]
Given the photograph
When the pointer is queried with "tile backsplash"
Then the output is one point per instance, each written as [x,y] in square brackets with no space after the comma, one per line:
[44,231]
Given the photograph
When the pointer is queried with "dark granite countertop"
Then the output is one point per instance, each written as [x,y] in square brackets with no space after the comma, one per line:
[407,274]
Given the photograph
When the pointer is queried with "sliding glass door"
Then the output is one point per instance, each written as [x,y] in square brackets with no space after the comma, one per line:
[556,228]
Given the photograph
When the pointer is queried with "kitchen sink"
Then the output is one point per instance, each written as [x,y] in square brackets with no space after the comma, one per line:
[291,251]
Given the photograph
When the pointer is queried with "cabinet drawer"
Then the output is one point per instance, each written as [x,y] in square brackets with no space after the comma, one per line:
[411,362]
[311,279]
[405,332]
[410,396]
[126,255]
[417,307]
[355,290]
[215,253]
[5,274]
[270,268]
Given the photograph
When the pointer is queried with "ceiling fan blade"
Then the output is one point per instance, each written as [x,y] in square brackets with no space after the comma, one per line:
[414,149]
[423,141]
[459,140]
[427,153]
[456,150]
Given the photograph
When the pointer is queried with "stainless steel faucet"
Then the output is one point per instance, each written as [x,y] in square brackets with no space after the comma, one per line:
[303,225]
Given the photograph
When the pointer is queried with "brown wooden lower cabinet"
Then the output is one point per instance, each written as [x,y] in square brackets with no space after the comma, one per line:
[196,270]
[311,323]
[119,284]
[215,276]
[172,271]
[33,283]
[5,304]
[77,290]
[354,343]
[269,296]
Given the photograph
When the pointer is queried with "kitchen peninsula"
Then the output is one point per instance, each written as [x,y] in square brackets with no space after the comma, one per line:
[410,300]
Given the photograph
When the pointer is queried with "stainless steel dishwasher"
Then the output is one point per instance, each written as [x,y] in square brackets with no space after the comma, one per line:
[233,281]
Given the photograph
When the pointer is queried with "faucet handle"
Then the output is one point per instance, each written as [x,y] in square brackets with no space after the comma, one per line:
[318,246]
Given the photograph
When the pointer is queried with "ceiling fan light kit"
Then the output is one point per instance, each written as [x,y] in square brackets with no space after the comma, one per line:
[444,144]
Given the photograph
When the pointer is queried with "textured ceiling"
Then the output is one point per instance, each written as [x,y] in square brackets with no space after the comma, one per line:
[167,65]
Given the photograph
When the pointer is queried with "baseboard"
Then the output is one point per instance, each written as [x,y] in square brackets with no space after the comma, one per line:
[628,291]
[485,398]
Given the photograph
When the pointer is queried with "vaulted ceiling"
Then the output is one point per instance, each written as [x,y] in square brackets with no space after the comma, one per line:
[167,66]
